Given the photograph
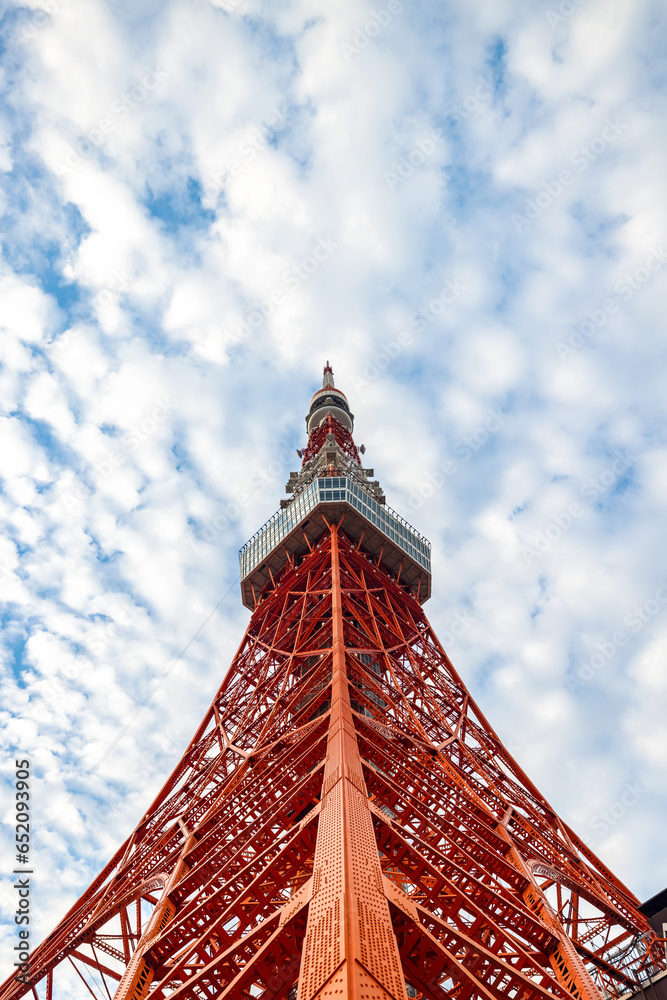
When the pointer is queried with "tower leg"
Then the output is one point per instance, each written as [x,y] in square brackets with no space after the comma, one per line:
[350,949]
[138,975]
[565,960]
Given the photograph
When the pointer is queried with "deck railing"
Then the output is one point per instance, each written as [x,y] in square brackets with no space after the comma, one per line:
[329,490]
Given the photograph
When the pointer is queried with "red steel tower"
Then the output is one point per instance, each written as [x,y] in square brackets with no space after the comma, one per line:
[345,823]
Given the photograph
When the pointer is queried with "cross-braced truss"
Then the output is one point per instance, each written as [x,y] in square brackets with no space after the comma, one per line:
[345,822]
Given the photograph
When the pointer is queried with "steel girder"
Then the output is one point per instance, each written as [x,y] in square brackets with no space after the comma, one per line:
[346,823]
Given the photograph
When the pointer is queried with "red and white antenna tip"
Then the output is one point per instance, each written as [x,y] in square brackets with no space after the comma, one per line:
[328,378]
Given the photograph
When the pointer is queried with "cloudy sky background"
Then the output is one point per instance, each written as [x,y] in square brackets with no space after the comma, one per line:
[484,186]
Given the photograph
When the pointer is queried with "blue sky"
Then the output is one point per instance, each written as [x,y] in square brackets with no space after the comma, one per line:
[483,185]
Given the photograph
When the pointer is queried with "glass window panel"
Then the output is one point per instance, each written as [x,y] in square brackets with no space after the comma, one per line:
[327,489]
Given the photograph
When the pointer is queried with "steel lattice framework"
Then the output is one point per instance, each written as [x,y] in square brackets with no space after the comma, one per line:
[345,823]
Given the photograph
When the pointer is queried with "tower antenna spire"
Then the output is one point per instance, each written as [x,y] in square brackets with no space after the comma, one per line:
[328,377]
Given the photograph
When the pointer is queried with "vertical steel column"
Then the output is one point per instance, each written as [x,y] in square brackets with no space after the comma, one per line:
[350,949]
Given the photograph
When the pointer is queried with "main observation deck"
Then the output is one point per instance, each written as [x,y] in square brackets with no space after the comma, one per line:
[379,531]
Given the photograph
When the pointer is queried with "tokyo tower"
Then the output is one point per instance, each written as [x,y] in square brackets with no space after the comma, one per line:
[345,823]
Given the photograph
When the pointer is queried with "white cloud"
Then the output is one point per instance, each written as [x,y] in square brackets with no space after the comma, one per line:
[26,311]
[142,440]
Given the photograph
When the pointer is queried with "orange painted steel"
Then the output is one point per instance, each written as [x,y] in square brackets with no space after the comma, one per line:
[346,824]
[350,948]
[345,791]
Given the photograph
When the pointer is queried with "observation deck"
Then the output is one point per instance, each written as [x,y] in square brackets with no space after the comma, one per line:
[380,532]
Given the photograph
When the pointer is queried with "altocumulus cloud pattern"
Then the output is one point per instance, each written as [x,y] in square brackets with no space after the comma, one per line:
[463,206]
